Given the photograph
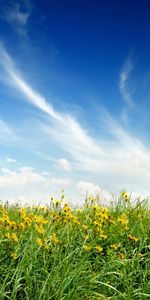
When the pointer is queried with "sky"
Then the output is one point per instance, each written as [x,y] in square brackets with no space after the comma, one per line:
[74,99]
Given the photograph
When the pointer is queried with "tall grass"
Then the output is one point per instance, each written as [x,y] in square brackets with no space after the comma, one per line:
[58,252]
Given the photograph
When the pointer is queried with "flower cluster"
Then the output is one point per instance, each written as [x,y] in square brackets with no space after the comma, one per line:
[94,228]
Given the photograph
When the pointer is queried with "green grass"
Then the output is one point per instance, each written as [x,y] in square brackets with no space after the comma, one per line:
[62,253]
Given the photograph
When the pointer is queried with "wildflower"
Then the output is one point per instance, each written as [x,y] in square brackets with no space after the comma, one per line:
[39,242]
[99,249]
[21,226]
[121,255]
[123,219]
[125,196]
[67,208]
[133,238]
[27,220]
[103,215]
[86,248]
[103,236]
[14,255]
[97,224]
[8,235]
[22,212]
[14,237]
[54,239]
[114,247]
[40,229]
[12,224]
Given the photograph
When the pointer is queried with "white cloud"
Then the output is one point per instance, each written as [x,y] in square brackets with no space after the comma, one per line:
[11,160]
[64,164]
[25,185]
[123,83]
[11,178]
[119,161]
[27,175]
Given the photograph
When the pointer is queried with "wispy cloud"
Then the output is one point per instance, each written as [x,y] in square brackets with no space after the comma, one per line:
[123,83]
[64,126]
[121,160]
[17,14]
[8,135]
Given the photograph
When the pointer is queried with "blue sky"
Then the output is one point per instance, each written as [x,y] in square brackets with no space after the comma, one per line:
[74,98]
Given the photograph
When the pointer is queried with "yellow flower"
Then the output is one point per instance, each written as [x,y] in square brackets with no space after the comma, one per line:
[7,226]
[22,212]
[54,239]
[40,229]
[86,248]
[114,247]
[123,219]
[95,207]
[21,226]
[125,196]
[39,242]
[67,208]
[133,238]
[8,235]
[103,214]
[121,255]
[103,236]
[97,224]
[14,255]
[99,249]
[14,237]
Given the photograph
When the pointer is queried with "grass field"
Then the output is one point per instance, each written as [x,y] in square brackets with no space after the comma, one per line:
[58,252]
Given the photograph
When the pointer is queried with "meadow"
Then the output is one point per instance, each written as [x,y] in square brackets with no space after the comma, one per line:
[60,252]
